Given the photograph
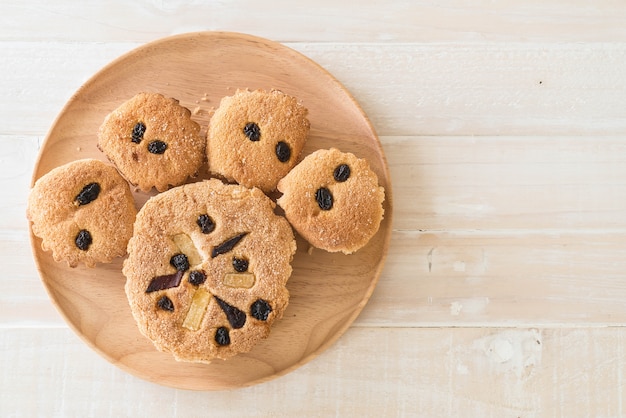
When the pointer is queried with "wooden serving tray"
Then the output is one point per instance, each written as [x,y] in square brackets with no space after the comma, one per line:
[327,290]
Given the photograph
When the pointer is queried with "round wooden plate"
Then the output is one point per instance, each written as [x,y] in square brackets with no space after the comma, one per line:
[327,290]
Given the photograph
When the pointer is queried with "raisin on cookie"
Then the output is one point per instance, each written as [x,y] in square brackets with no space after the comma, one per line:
[153,141]
[83,211]
[256,137]
[207,269]
[333,200]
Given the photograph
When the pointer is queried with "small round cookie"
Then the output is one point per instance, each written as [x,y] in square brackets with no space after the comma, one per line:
[153,141]
[83,211]
[256,137]
[207,269]
[333,200]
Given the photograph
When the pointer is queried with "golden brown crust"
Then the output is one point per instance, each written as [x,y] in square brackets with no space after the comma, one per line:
[268,246]
[57,217]
[235,157]
[356,210]
[165,120]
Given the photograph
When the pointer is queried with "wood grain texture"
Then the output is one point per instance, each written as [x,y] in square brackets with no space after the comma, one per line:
[517,183]
[470,245]
[502,279]
[504,127]
[486,372]
[322,21]
[414,89]
[442,279]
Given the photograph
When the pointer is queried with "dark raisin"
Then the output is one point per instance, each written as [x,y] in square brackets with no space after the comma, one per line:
[221,336]
[165,282]
[89,193]
[138,130]
[260,310]
[240,264]
[324,198]
[342,172]
[283,152]
[205,223]
[236,318]
[83,240]
[227,245]
[166,304]
[180,262]
[157,147]
[252,131]
[197,277]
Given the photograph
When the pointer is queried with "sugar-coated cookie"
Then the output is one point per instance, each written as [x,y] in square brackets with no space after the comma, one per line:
[83,211]
[153,141]
[333,200]
[256,137]
[207,269]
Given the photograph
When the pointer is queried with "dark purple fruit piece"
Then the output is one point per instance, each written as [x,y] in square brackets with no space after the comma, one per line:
[165,282]
[138,130]
[221,336]
[283,152]
[197,277]
[89,193]
[324,198]
[83,240]
[157,147]
[180,262]
[240,264]
[166,304]
[236,318]
[252,131]
[260,310]
[227,245]
[342,172]
[206,224]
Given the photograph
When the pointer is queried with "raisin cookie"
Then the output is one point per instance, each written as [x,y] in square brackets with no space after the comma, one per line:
[153,141]
[207,269]
[256,137]
[83,211]
[333,200]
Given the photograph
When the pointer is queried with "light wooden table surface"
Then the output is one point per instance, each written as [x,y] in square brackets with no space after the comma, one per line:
[504,125]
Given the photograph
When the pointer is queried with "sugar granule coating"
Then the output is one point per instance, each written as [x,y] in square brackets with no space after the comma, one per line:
[76,223]
[333,200]
[256,137]
[153,141]
[214,312]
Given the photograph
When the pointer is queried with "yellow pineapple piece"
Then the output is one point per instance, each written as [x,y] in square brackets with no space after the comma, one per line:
[199,303]
[187,247]
[239,280]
